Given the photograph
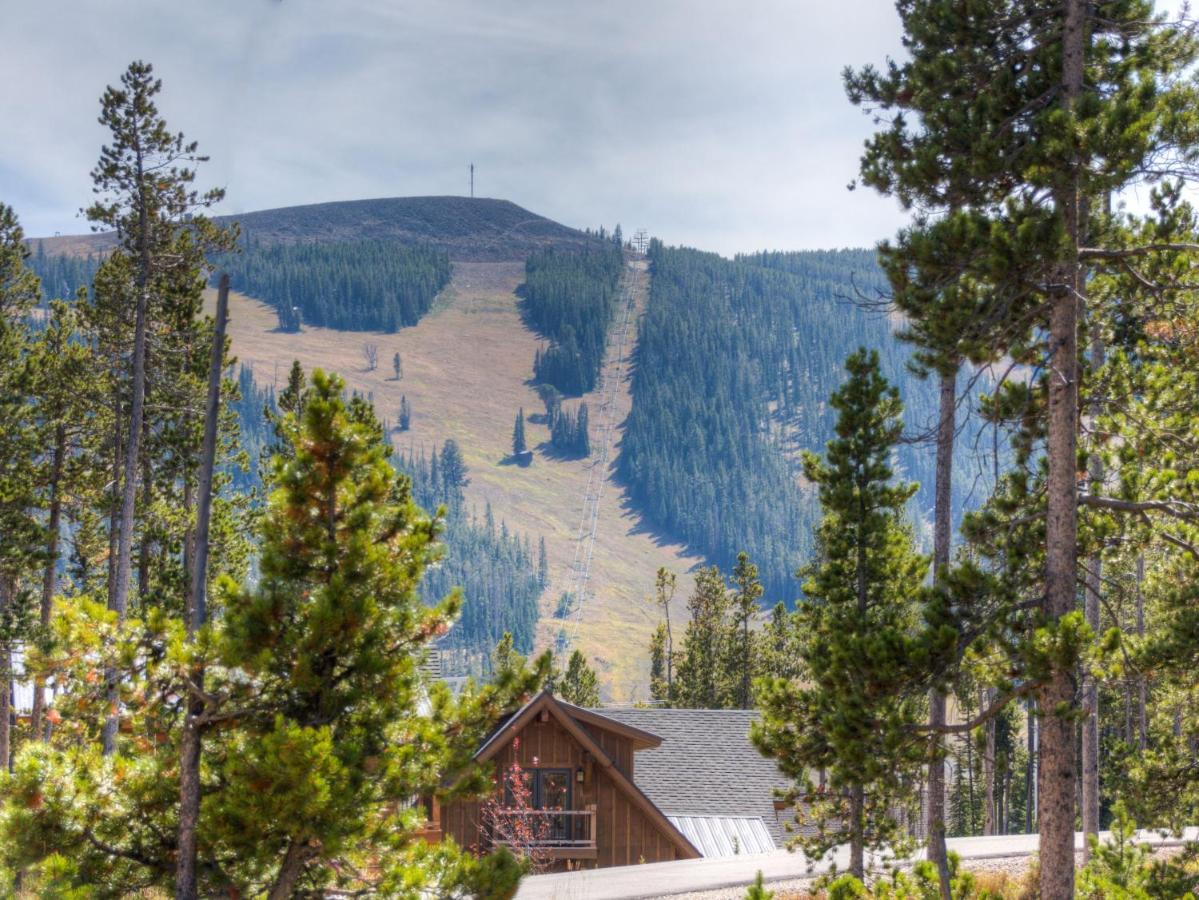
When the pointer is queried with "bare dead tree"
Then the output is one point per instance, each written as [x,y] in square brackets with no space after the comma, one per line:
[371,353]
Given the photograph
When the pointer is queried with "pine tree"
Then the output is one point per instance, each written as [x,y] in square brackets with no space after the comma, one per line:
[702,679]
[311,671]
[144,185]
[504,657]
[578,684]
[664,587]
[582,434]
[23,539]
[780,645]
[290,402]
[658,688]
[453,473]
[405,414]
[850,716]
[397,366]
[145,194]
[746,605]
[1020,176]
[757,890]
[67,391]
[518,434]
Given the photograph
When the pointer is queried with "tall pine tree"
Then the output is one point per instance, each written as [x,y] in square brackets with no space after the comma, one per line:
[850,716]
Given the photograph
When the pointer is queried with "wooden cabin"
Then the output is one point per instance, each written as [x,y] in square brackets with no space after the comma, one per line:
[580,767]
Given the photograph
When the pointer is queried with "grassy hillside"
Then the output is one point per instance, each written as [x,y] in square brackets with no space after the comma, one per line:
[464,227]
[468,367]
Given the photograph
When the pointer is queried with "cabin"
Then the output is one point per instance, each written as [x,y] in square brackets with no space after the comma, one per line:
[623,787]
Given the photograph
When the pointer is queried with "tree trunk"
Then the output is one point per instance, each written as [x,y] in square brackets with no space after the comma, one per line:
[969,739]
[189,802]
[1090,689]
[1057,695]
[1030,769]
[118,600]
[745,665]
[857,832]
[290,870]
[147,487]
[7,589]
[989,767]
[114,500]
[942,541]
[189,547]
[190,751]
[1142,692]
[50,574]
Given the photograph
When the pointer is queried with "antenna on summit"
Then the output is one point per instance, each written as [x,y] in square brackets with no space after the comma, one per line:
[472,180]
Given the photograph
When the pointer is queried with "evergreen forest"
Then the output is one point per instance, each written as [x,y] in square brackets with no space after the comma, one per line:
[570,298]
[61,275]
[367,285]
[496,569]
[735,362]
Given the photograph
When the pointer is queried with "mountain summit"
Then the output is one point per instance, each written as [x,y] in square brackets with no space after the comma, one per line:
[467,228]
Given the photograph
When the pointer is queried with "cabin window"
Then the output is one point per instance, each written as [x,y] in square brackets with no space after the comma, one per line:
[551,790]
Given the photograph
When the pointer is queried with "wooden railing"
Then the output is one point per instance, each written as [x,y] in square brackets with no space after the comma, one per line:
[559,829]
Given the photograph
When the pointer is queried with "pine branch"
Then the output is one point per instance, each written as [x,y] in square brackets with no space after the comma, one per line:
[1143,250]
[1176,508]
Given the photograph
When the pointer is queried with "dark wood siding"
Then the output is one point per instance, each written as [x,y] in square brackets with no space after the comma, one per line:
[625,834]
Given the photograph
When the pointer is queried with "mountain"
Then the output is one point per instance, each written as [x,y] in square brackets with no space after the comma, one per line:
[695,426]
[466,228]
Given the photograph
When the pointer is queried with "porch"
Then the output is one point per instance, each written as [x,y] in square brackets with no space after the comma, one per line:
[562,833]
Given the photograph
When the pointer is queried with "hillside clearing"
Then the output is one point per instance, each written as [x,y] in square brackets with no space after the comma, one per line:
[468,367]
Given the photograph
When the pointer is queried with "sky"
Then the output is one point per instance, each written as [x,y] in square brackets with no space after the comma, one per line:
[718,124]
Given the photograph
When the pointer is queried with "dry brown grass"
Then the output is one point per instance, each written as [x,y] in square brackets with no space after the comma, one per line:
[467,369]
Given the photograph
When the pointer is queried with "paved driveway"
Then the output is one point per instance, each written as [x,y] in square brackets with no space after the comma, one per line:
[664,879]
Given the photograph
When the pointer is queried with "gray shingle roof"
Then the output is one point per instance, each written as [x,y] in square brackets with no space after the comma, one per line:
[706,765]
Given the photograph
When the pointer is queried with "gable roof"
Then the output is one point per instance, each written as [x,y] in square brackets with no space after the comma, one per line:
[563,714]
[706,765]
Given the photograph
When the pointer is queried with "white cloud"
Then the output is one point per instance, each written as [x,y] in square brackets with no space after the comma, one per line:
[717,124]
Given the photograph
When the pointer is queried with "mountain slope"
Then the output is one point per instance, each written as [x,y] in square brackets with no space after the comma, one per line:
[735,362]
[467,228]
[468,368]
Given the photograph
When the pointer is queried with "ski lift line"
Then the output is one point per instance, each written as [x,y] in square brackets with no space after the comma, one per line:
[581,565]
[611,377]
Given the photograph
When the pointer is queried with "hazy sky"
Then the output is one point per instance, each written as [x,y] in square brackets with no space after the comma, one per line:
[722,125]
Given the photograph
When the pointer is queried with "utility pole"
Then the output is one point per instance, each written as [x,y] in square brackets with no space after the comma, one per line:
[472,180]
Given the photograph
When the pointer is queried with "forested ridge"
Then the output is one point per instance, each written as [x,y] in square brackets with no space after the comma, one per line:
[355,285]
[365,285]
[735,362]
[570,297]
